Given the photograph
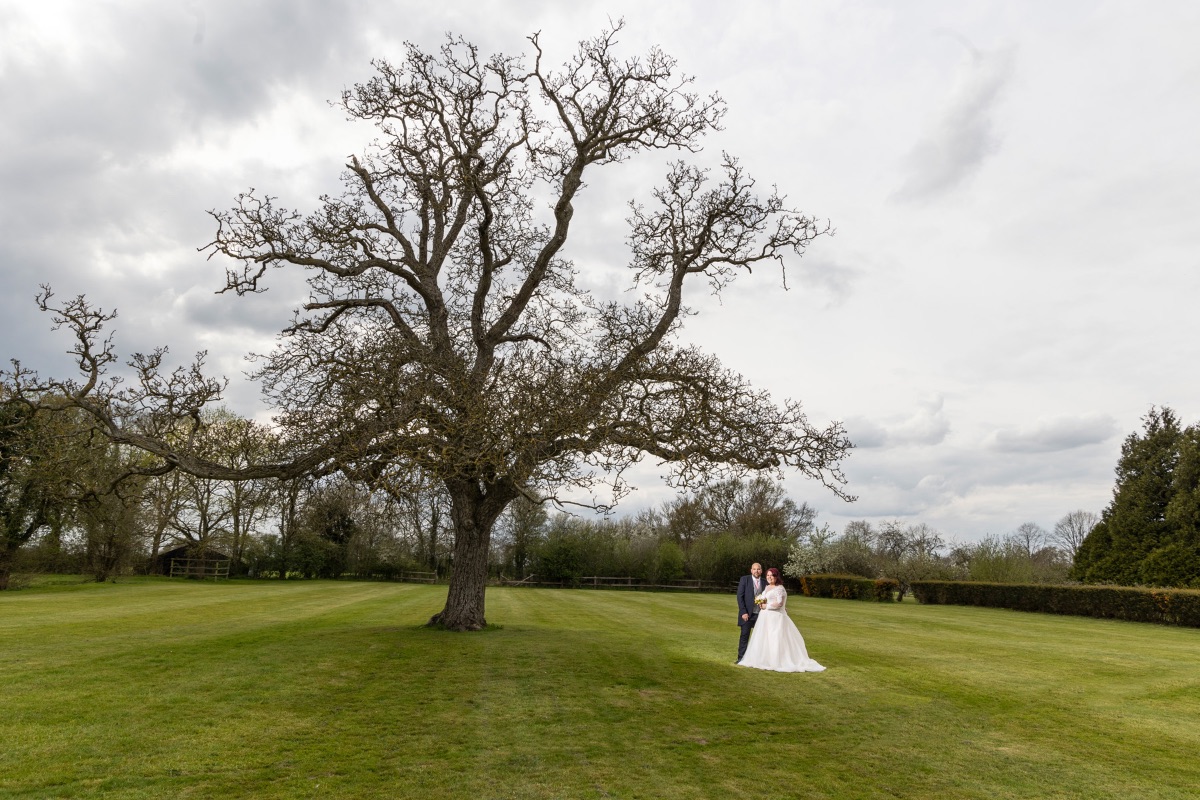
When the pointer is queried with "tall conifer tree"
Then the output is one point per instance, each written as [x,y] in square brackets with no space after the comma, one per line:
[1149,532]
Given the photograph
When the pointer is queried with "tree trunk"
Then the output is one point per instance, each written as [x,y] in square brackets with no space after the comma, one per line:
[6,559]
[473,510]
[464,609]
[236,537]
[435,522]
[287,526]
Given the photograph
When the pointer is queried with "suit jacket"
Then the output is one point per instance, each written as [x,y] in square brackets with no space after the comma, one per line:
[745,597]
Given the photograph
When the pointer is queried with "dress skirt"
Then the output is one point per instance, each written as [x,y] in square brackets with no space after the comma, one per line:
[776,644]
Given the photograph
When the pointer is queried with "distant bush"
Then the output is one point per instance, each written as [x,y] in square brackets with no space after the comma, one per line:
[1164,606]
[849,587]
[838,587]
[1013,559]
[562,557]
[885,590]
[724,558]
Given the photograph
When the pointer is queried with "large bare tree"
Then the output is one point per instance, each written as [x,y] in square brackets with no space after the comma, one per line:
[448,334]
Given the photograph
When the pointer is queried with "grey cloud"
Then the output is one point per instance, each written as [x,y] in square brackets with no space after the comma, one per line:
[263,314]
[964,495]
[1063,433]
[956,466]
[81,128]
[886,500]
[92,205]
[865,433]
[823,273]
[929,425]
[135,82]
[964,136]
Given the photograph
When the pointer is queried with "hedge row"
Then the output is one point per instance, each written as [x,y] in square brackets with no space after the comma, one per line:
[1164,606]
[849,587]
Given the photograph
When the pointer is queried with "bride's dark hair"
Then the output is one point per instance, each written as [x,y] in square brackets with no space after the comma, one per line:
[775,572]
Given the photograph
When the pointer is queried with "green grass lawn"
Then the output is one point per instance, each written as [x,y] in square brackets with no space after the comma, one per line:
[163,689]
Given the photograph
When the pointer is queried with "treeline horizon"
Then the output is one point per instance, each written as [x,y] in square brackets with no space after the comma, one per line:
[86,508]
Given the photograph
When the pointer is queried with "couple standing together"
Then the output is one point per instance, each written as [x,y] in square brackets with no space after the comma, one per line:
[762,608]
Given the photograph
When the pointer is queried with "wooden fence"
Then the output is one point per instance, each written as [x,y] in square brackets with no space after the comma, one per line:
[199,568]
[621,582]
[417,577]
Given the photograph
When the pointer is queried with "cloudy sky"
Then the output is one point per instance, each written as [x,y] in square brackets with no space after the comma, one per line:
[1015,188]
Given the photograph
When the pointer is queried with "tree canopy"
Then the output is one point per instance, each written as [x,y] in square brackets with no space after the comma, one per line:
[449,336]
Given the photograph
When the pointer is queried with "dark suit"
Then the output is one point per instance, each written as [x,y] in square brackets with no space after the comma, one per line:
[745,598]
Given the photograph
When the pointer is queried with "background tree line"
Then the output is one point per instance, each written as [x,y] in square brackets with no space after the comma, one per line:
[711,535]
[910,552]
[76,502]
[73,501]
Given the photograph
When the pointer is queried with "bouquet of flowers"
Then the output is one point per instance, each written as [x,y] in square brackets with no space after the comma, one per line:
[760,600]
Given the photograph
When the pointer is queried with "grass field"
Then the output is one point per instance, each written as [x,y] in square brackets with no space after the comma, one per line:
[160,689]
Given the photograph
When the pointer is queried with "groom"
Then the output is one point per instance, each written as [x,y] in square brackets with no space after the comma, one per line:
[749,587]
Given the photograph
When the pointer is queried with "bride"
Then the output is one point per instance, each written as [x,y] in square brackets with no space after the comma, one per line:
[776,643]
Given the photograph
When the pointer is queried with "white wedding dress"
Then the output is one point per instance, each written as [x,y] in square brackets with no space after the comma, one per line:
[776,643]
